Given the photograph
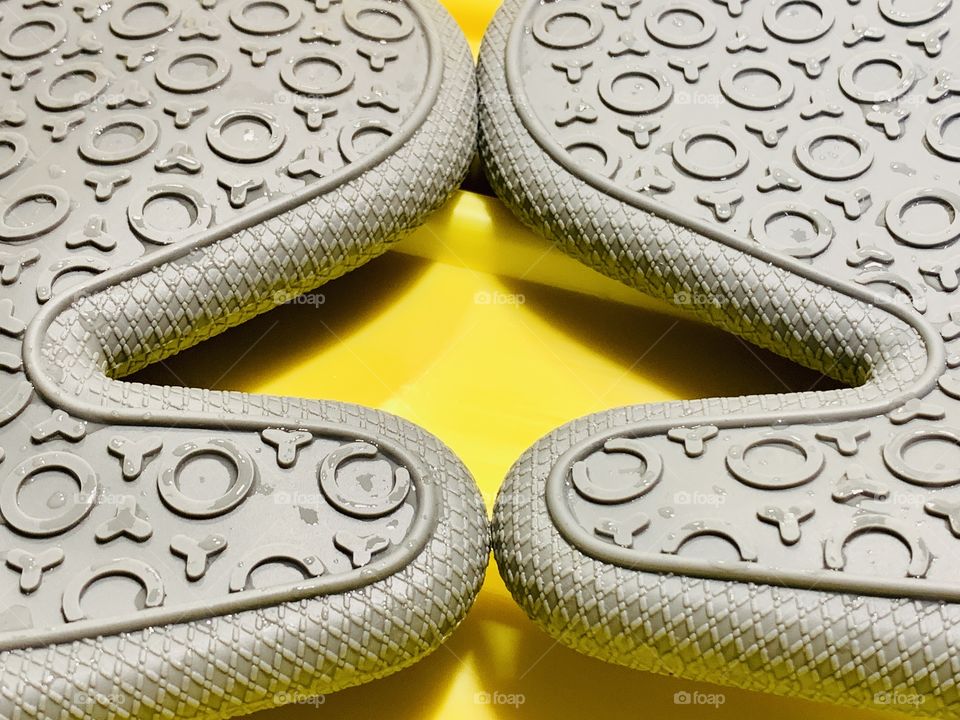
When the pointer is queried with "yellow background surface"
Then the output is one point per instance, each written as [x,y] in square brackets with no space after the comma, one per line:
[479,331]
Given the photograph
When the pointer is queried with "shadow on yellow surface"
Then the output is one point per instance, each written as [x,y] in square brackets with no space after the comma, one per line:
[469,346]
[489,338]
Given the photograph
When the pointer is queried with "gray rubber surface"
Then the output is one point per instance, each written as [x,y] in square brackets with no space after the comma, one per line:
[174,552]
[783,169]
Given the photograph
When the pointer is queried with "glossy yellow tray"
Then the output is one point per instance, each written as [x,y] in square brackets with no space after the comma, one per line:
[478,330]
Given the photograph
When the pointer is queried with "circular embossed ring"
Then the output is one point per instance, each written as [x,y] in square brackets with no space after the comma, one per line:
[52,196]
[249,152]
[356,17]
[894,456]
[811,466]
[182,504]
[96,150]
[218,68]
[935,130]
[694,135]
[822,226]
[898,12]
[18,151]
[197,207]
[907,76]
[343,81]
[817,167]
[679,15]
[95,73]
[123,26]
[773,20]
[640,483]
[897,208]
[346,140]
[373,506]
[39,44]
[637,103]
[545,33]
[287,17]
[76,506]
[610,161]
[751,100]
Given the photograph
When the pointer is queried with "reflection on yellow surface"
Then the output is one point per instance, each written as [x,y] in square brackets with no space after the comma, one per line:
[480,332]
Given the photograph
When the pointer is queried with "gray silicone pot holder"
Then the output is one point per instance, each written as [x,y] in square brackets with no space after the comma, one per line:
[784,169]
[172,552]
